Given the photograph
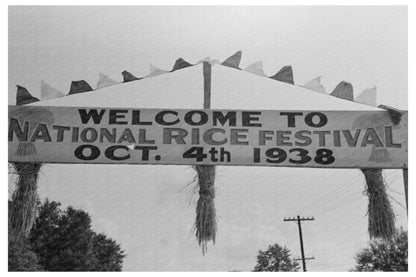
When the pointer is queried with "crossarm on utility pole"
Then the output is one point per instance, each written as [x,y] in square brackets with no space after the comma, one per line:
[298,219]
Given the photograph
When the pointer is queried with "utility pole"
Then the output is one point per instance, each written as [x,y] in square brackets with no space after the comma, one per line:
[299,220]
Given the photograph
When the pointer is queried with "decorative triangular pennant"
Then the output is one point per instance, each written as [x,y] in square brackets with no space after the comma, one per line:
[48,92]
[233,61]
[104,81]
[128,77]
[180,63]
[154,71]
[79,87]
[395,114]
[368,96]
[256,68]
[315,85]
[284,75]
[343,90]
[23,97]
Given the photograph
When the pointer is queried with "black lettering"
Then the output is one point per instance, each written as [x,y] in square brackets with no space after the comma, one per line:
[321,137]
[218,116]
[195,136]
[174,133]
[41,132]
[117,114]
[322,119]
[75,132]
[142,137]
[302,137]
[93,113]
[235,136]
[282,139]
[145,151]
[203,118]
[159,118]
[291,118]
[249,117]
[136,119]
[352,142]
[388,130]
[371,137]
[94,152]
[337,138]
[110,137]
[61,130]
[14,128]
[208,136]
[109,153]
[263,137]
[93,135]
[127,135]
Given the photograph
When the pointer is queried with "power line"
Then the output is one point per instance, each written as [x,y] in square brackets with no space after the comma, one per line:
[397,202]
[330,196]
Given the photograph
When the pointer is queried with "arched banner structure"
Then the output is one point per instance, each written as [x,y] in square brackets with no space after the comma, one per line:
[296,126]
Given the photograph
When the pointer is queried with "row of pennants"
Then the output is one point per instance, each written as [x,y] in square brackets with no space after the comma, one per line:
[343,90]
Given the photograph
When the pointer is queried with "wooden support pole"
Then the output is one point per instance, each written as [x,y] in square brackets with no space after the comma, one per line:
[207,85]
[405,188]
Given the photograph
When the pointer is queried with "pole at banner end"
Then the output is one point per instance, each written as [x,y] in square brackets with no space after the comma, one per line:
[405,180]
[207,85]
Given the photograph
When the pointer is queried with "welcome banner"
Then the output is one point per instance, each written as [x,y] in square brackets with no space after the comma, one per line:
[332,139]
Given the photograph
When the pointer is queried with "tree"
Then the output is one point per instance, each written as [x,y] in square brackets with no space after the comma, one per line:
[108,254]
[64,241]
[384,255]
[22,257]
[276,258]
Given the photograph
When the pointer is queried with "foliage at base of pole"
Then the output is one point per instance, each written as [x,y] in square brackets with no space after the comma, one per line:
[384,255]
[22,208]
[206,222]
[381,219]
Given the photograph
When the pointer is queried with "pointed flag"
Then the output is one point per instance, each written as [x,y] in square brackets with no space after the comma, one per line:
[180,63]
[368,96]
[79,87]
[128,77]
[395,114]
[343,90]
[256,68]
[284,75]
[48,92]
[154,71]
[315,85]
[23,97]
[233,61]
[104,81]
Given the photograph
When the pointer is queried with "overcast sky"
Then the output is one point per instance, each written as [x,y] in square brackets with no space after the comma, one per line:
[145,207]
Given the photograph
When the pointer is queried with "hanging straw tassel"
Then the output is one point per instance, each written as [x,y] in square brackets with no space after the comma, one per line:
[381,219]
[22,209]
[206,222]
